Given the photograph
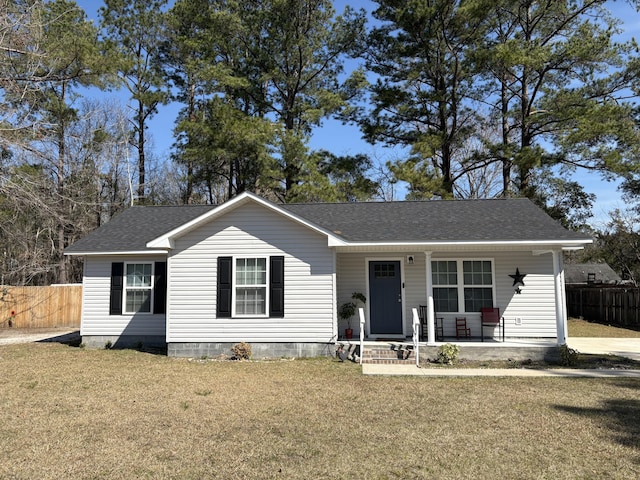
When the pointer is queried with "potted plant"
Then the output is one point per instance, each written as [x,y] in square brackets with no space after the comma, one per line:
[348,310]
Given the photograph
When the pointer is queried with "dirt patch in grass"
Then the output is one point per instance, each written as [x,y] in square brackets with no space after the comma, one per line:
[582,361]
[583,328]
[74,413]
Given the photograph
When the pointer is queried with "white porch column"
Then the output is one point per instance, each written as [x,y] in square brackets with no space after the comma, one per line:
[561,311]
[431,321]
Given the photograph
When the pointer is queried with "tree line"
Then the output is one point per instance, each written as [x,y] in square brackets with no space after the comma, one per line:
[484,98]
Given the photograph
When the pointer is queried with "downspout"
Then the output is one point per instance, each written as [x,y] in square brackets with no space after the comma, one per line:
[561,318]
[431,314]
[334,315]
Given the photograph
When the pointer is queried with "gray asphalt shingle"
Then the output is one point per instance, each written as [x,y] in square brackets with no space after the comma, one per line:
[410,221]
[514,219]
[130,230]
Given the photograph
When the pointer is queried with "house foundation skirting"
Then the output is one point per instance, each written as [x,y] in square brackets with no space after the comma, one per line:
[498,352]
[124,341]
[258,349]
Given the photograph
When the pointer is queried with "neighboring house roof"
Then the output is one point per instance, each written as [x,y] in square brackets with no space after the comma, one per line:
[583,273]
[435,221]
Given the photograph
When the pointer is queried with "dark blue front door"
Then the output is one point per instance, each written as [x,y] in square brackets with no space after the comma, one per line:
[385,297]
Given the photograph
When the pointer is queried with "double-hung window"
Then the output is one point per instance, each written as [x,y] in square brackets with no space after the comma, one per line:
[462,285]
[251,286]
[478,284]
[138,287]
[445,285]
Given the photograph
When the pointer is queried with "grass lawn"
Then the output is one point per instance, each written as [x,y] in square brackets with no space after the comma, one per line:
[582,328]
[67,412]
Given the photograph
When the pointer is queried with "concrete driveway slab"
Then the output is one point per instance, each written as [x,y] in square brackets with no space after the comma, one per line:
[373,369]
[623,347]
[60,335]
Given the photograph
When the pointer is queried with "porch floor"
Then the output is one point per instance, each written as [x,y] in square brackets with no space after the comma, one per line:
[472,342]
[402,350]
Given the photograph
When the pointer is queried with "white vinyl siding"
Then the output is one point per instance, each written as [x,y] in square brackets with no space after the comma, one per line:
[251,231]
[96,287]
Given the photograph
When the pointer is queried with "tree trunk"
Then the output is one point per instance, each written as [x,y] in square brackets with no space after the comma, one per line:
[62,203]
[141,155]
[506,162]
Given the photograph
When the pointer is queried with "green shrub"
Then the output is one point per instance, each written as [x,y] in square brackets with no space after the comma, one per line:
[448,353]
[241,351]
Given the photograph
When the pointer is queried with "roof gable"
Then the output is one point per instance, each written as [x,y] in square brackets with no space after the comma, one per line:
[166,240]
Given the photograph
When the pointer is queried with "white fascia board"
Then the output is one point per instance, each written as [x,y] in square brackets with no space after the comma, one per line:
[564,244]
[111,254]
[167,240]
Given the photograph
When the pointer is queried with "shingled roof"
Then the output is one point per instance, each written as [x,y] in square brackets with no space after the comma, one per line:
[130,230]
[511,219]
[495,220]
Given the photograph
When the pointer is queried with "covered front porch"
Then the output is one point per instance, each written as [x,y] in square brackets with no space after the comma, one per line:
[525,285]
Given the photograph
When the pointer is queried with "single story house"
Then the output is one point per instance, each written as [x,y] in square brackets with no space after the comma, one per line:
[200,279]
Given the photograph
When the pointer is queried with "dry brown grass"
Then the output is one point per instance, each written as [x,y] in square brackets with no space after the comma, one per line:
[73,413]
[582,328]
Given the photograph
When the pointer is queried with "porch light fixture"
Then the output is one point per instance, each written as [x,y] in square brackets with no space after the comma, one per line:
[410,259]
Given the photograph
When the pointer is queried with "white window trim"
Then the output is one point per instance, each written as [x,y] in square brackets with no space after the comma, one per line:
[125,288]
[234,287]
[461,286]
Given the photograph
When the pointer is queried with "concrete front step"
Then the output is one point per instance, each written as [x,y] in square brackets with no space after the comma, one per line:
[383,361]
[390,355]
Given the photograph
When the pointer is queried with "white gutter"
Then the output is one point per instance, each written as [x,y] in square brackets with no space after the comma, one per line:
[129,252]
[526,243]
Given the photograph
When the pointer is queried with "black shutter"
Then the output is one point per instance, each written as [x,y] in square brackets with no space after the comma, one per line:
[276,287]
[160,288]
[224,287]
[115,301]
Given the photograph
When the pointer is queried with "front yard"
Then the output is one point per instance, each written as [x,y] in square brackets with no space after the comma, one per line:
[582,328]
[67,412]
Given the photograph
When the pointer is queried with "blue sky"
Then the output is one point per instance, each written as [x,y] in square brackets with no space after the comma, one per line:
[347,139]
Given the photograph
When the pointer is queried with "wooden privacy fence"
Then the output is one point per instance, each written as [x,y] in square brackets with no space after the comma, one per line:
[40,307]
[609,305]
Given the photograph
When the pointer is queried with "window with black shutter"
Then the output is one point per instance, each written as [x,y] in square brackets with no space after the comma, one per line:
[250,286]
[115,300]
[224,287]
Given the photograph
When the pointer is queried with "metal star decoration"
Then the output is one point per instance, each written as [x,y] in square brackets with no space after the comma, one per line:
[518,278]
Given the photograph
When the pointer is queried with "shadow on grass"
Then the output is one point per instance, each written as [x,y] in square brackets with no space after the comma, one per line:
[619,416]
[72,339]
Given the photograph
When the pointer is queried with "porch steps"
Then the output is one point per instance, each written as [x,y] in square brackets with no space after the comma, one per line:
[389,354]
